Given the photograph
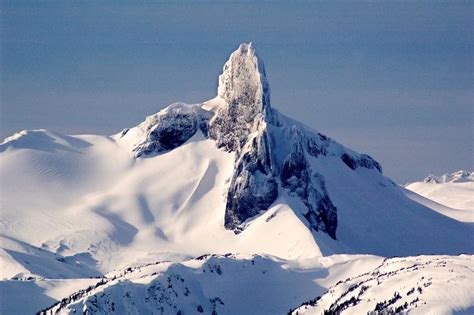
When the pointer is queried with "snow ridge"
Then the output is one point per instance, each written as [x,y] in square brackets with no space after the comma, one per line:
[417,285]
[455,177]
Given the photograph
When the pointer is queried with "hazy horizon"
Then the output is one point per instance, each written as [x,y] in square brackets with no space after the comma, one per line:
[393,80]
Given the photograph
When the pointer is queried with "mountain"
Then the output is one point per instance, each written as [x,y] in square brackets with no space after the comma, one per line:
[229,175]
[454,190]
[456,177]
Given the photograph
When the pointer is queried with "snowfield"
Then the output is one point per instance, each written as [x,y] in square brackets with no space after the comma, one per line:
[453,191]
[418,285]
[224,206]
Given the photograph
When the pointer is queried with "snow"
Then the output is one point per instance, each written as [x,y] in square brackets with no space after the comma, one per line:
[462,215]
[427,284]
[76,207]
[146,207]
[454,190]
[229,280]
[419,285]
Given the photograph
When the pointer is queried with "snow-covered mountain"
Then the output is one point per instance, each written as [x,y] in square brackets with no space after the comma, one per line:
[229,175]
[454,190]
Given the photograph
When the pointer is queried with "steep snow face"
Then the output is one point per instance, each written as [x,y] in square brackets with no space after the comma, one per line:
[454,190]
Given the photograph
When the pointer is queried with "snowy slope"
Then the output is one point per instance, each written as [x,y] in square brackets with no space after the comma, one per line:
[93,197]
[225,284]
[464,215]
[418,285]
[229,175]
[454,190]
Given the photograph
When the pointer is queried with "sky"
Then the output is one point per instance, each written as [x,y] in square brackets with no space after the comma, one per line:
[394,80]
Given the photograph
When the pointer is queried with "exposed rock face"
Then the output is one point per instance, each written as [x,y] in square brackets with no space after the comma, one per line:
[253,187]
[361,161]
[273,153]
[245,90]
[240,126]
[170,128]
[296,175]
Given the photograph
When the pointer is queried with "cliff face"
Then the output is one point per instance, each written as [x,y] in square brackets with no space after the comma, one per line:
[242,125]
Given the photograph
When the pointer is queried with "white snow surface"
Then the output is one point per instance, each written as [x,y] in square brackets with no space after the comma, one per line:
[450,194]
[74,208]
[415,285]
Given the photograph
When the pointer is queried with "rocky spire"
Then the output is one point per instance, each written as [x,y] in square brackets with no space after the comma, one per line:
[243,79]
[245,90]
[240,125]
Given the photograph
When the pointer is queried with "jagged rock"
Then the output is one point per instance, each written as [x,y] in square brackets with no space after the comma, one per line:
[296,177]
[170,128]
[253,187]
[244,88]
[362,160]
[272,152]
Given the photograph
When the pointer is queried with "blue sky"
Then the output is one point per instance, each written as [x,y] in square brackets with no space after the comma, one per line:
[394,80]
